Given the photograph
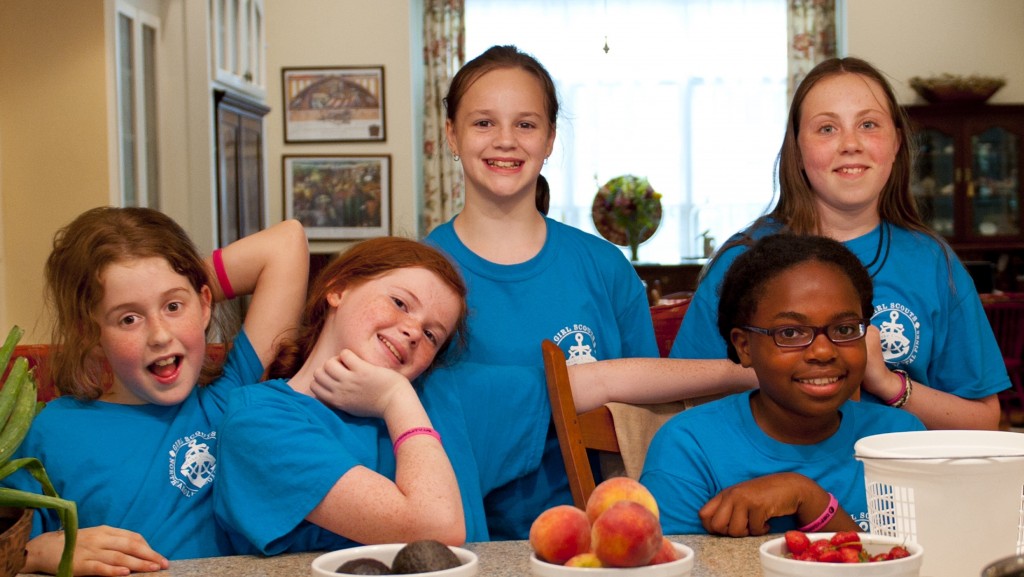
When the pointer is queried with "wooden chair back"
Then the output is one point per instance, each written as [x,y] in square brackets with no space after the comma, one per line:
[576,432]
[667,319]
[38,357]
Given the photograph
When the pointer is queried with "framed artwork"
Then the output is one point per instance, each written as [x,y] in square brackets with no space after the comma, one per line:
[339,196]
[334,104]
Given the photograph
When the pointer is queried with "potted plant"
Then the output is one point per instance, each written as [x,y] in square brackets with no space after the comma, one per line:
[18,406]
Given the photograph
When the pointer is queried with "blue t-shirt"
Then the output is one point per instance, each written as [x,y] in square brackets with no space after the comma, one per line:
[282,452]
[931,320]
[145,468]
[580,292]
[711,447]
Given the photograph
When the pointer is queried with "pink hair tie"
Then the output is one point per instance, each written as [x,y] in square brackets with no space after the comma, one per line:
[222,275]
[413,432]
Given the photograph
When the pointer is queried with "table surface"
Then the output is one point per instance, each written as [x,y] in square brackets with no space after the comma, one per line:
[713,557]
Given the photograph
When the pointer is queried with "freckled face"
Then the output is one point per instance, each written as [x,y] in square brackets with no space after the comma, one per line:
[502,134]
[398,320]
[152,331]
[848,143]
[812,381]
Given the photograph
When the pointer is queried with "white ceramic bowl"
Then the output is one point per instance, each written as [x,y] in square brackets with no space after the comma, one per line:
[682,567]
[326,565]
[774,564]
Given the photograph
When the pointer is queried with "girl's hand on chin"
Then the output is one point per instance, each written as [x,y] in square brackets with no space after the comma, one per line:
[348,383]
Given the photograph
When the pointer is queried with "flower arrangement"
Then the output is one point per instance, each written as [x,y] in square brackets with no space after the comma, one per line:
[630,207]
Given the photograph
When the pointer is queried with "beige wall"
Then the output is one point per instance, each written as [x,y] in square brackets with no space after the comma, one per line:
[907,38]
[346,33]
[55,158]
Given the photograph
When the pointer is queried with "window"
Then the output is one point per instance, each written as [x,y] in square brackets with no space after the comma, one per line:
[136,40]
[690,94]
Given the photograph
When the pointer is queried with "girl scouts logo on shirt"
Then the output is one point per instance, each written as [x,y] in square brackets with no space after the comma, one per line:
[900,332]
[581,344]
[192,463]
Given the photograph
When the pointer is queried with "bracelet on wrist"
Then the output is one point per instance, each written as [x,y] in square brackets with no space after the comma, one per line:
[908,385]
[222,275]
[824,518]
[412,433]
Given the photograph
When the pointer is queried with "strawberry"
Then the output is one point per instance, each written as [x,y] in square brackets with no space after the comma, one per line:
[831,556]
[898,552]
[846,539]
[797,542]
[817,548]
[849,555]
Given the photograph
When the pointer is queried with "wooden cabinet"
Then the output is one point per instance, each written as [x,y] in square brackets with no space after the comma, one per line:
[241,209]
[966,181]
[238,30]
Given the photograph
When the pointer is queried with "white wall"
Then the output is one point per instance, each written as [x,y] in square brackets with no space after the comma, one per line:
[907,38]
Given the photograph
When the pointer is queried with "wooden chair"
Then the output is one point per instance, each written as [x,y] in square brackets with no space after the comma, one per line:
[1007,320]
[595,430]
[38,357]
[667,319]
[576,433]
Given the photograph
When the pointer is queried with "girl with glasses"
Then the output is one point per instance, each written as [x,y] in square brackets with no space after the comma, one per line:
[793,308]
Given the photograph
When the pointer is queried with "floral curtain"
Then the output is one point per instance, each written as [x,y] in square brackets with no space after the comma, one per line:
[443,54]
[812,37]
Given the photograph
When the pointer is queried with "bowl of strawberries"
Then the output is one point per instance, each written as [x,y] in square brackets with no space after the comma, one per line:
[840,554]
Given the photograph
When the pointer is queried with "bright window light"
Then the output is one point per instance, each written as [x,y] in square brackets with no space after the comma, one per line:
[691,94]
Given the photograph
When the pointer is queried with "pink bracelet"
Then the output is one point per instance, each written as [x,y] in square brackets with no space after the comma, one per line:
[222,275]
[903,390]
[413,432]
[825,516]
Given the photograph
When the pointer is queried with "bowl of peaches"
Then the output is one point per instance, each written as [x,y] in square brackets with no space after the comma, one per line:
[618,535]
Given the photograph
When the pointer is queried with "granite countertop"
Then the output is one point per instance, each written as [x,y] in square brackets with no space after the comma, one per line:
[714,557]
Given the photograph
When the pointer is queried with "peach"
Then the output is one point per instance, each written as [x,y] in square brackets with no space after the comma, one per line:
[666,553]
[584,560]
[560,533]
[617,489]
[627,534]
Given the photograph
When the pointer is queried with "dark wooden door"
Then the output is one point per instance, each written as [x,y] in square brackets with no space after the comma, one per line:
[241,194]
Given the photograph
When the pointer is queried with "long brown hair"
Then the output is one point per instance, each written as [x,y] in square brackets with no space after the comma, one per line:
[796,211]
[796,207]
[361,263]
[81,252]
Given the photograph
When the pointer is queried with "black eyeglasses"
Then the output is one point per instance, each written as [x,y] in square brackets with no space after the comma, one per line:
[803,335]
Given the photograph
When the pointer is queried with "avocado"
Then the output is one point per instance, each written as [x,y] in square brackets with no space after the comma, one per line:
[364,566]
[424,556]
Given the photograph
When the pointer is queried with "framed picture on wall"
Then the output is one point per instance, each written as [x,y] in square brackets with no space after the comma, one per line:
[339,196]
[344,104]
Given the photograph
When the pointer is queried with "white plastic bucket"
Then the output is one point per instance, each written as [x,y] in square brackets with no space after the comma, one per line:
[957,493]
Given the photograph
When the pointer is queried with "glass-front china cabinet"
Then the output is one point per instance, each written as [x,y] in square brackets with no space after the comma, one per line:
[967,176]
[966,180]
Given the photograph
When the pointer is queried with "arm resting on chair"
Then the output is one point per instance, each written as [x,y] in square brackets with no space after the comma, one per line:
[655,380]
